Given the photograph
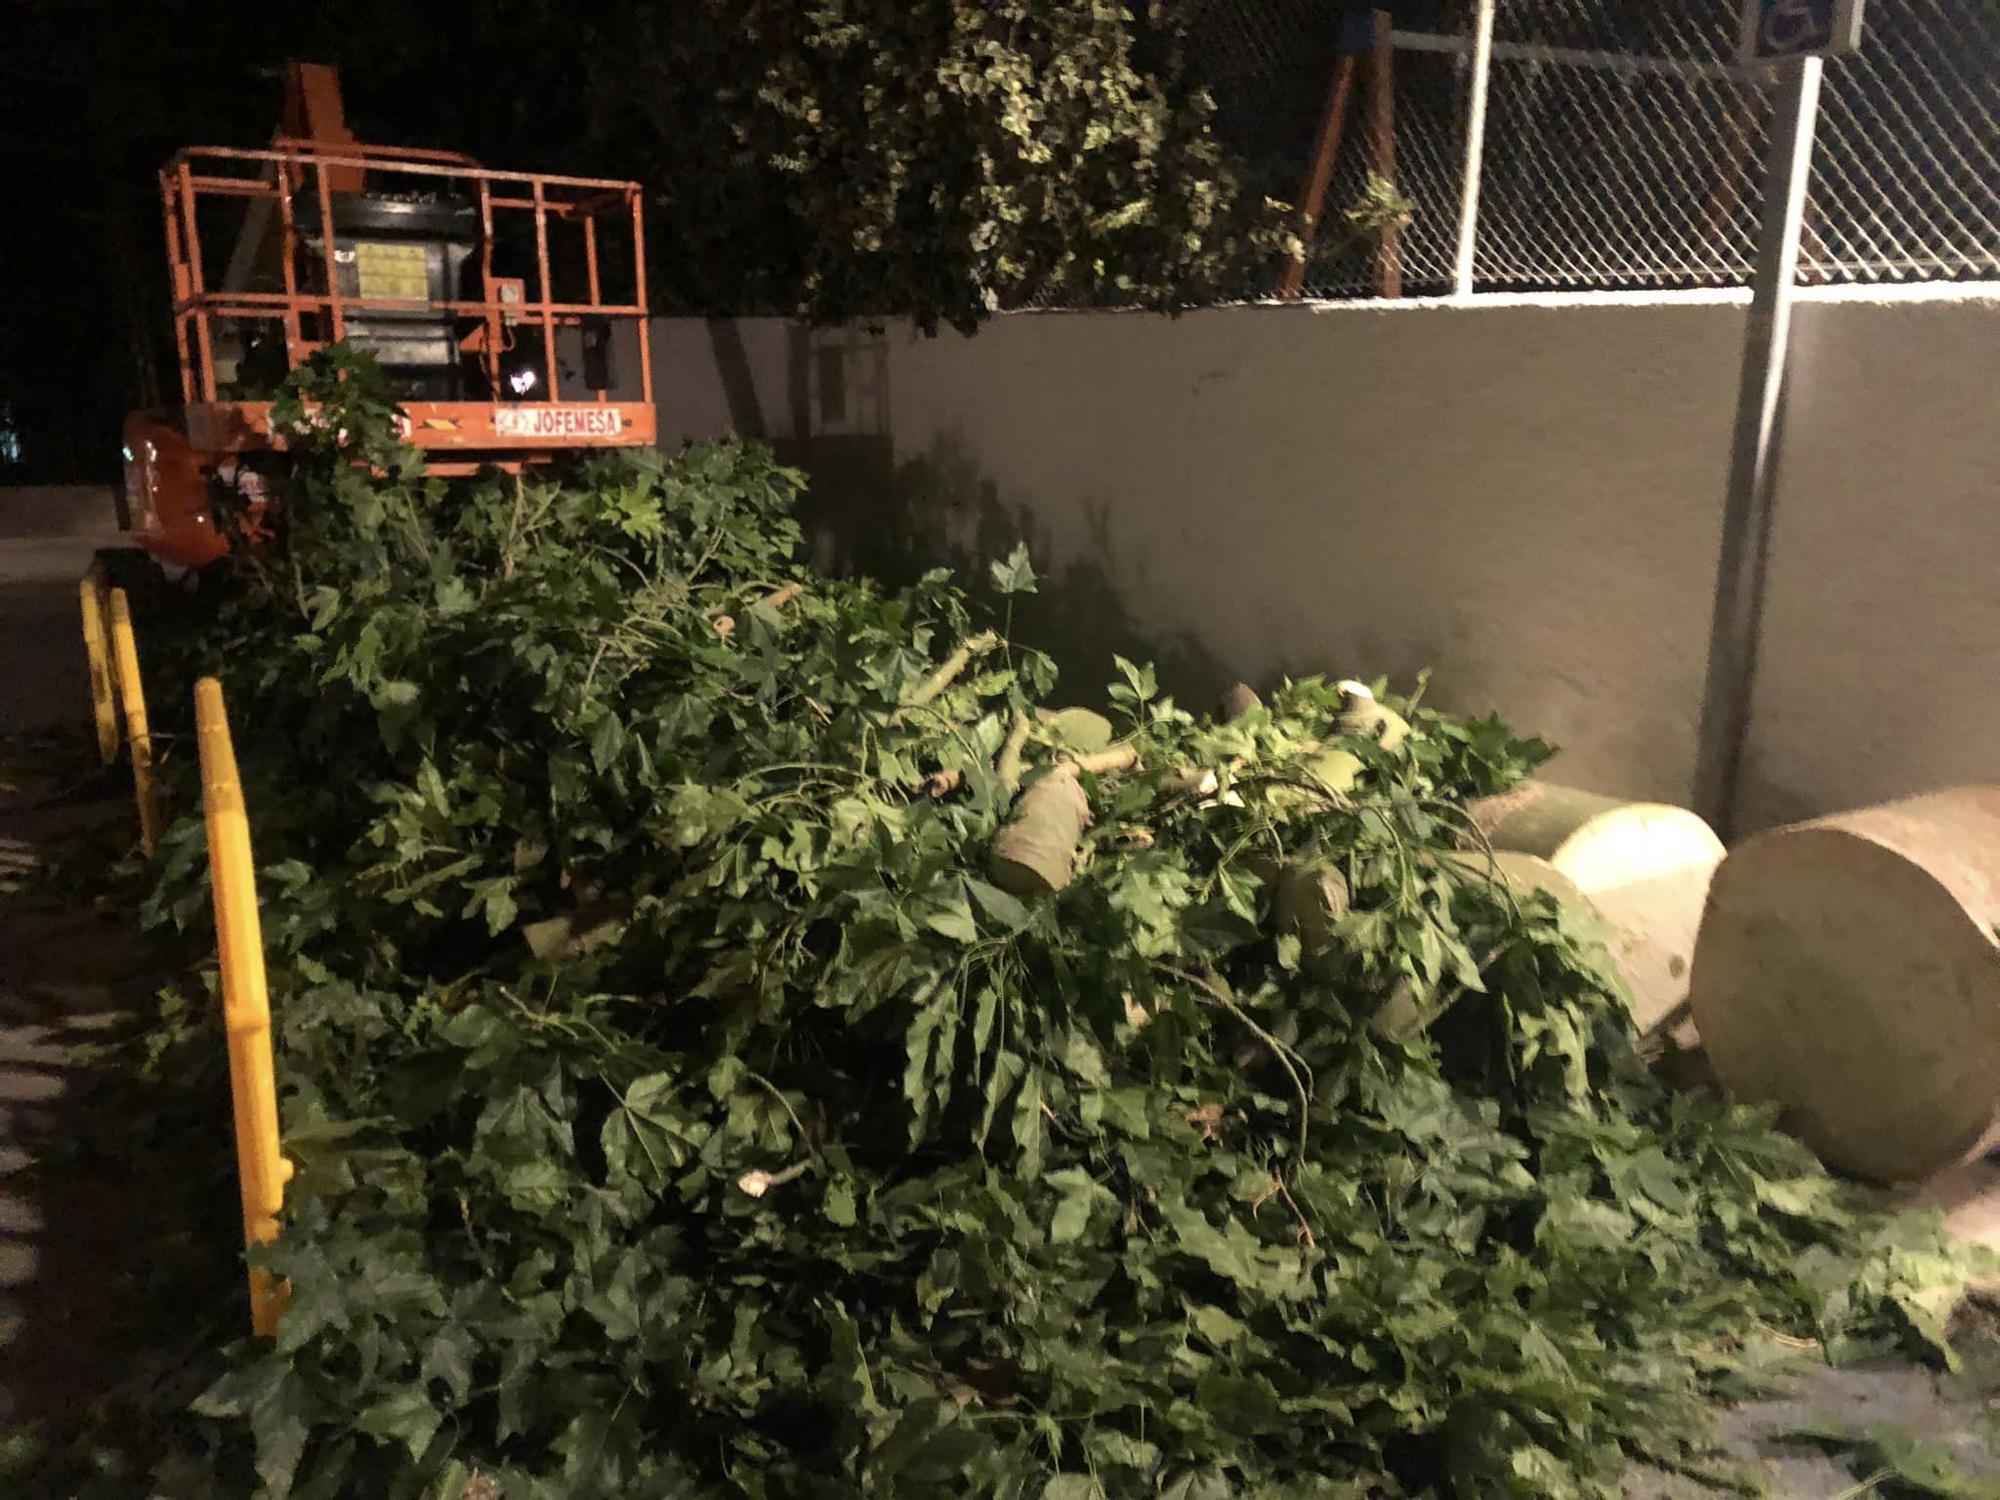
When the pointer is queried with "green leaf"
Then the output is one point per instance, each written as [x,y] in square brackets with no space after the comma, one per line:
[1072,1215]
[1115,1449]
[1081,1057]
[1139,686]
[1001,909]
[647,1136]
[840,1202]
[1028,1131]
[277,1422]
[954,922]
[607,740]
[1198,1484]
[448,1357]
[1127,1110]
[1199,1238]
[405,1416]
[1216,1326]
[1244,1405]
[1013,575]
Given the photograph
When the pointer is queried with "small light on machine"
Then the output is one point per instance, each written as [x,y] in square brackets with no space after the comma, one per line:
[523,369]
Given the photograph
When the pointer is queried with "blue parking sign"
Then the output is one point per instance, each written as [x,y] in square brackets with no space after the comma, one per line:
[1774,30]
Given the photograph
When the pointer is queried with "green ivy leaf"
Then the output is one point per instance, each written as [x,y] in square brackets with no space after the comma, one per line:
[405,1416]
[1013,574]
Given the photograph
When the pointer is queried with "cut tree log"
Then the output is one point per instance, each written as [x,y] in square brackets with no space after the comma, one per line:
[1078,729]
[1524,874]
[1306,900]
[1644,867]
[1361,713]
[1237,700]
[1035,853]
[1848,972]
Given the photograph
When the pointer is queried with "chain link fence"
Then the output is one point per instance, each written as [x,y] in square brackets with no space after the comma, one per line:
[1623,147]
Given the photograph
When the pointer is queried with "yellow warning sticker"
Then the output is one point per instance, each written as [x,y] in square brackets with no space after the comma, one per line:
[392,270]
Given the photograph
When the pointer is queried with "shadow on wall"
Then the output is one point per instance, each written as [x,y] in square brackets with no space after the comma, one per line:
[822,398]
[867,515]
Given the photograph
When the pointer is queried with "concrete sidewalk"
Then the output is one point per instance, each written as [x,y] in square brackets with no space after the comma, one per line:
[64,976]
[47,538]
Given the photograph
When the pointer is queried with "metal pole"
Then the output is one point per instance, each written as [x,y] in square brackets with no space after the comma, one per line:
[1747,512]
[97,649]
[261,1168]
[138,738]
[1475,146]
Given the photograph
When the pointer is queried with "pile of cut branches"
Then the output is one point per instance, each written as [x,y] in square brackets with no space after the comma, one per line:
[740,1036]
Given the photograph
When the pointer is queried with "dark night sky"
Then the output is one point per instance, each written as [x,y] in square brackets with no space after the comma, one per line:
[96,94]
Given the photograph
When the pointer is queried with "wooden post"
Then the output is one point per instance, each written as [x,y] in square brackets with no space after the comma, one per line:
[1382,88]
[1312,191]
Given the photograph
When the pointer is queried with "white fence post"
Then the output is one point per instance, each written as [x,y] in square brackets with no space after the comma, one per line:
[1475,147]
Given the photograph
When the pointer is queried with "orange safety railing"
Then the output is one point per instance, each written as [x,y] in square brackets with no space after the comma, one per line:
[261,1168]
[605,214]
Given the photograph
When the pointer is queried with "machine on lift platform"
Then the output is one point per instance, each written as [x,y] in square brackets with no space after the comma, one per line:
[465,284]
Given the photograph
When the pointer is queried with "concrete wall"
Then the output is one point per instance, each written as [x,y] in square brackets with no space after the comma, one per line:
[1522,494]
[1881,659]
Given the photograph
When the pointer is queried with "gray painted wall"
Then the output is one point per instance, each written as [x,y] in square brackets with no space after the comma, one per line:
[1523,494]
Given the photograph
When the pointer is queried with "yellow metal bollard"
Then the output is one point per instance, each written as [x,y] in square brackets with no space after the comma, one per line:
[261,1168]
[103,696]
[125,653]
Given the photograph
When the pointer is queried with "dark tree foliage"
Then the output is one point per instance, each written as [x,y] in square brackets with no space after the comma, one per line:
[940,159]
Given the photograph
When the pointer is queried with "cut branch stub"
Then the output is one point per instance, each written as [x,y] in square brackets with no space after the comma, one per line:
[949,669]
[1077,729]
[1035,853]
[1307,900]
[1011,764]
[1104,762]
[1238,700]
[1362,714]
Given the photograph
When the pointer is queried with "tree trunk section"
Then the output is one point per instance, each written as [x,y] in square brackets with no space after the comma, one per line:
[1645,868]
[1848,972]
